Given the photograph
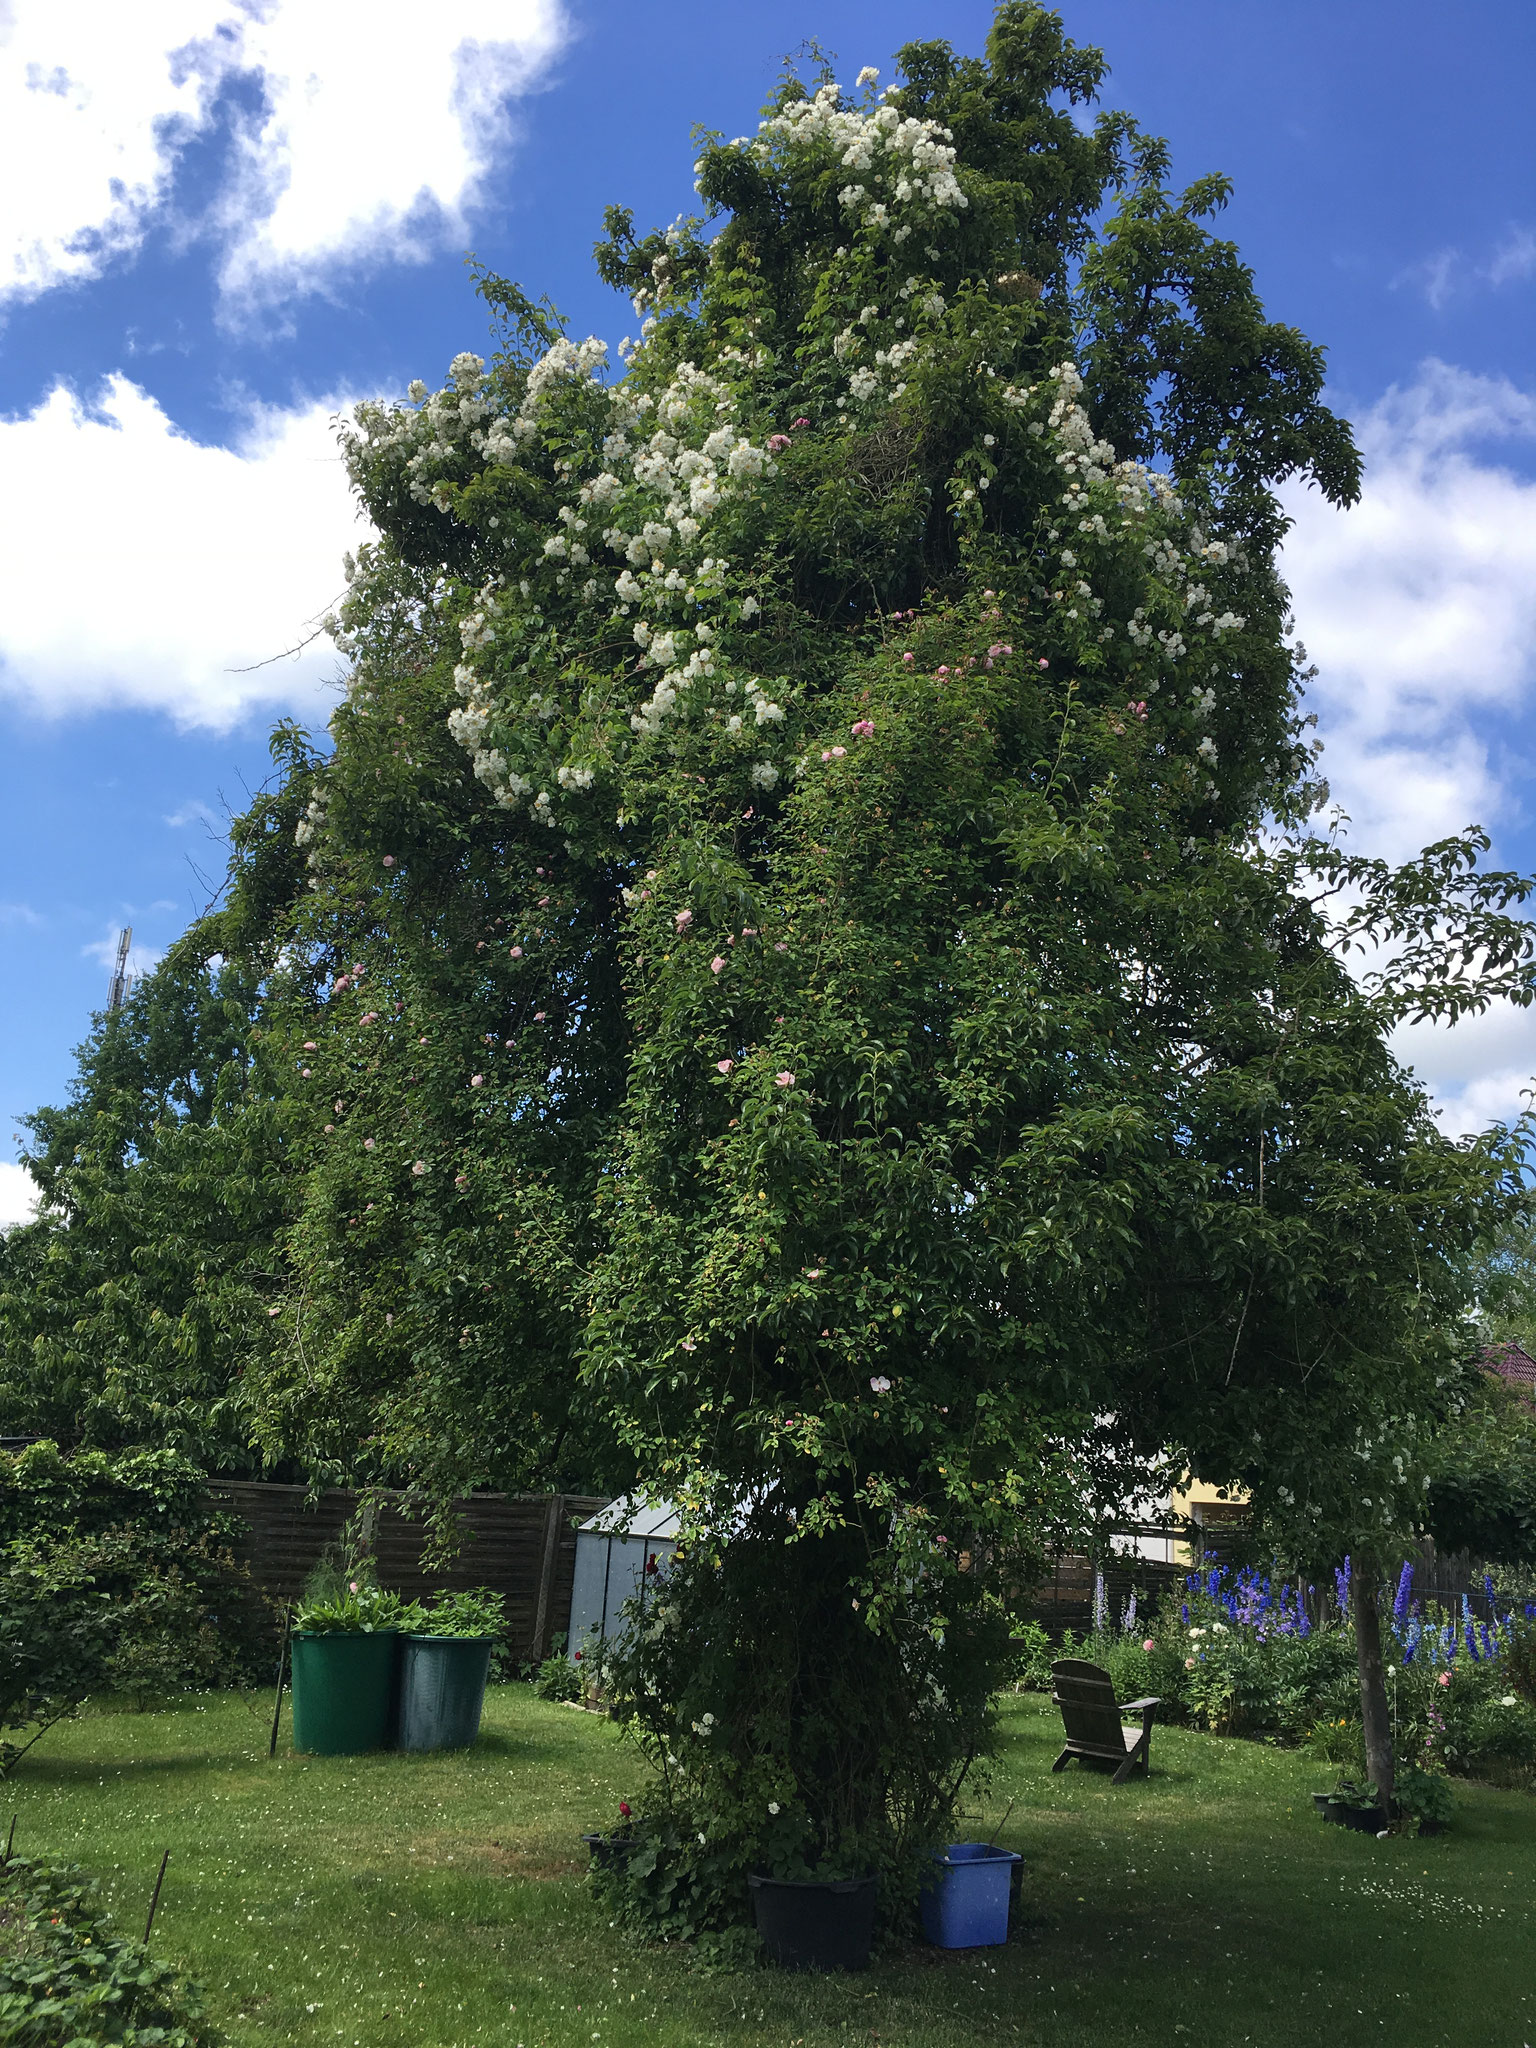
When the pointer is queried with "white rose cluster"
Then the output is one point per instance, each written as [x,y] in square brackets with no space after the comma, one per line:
[903,169]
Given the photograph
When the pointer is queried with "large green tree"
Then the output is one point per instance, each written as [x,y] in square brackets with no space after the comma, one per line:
[803,979]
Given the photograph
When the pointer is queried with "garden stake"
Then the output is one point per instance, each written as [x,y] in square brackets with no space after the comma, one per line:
[992,1840]
[282,1666]
[160,1880]
[10,1838]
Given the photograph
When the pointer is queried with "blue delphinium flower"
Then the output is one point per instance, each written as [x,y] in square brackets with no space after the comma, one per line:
[1184,1612]
[1404,1588]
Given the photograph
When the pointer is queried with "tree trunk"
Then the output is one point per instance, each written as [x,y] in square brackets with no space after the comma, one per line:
[1374,1712]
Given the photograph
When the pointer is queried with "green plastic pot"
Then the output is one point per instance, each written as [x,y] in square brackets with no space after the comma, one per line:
[442,1690]
[344,1692]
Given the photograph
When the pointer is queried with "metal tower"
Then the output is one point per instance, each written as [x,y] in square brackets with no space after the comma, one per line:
[122,980]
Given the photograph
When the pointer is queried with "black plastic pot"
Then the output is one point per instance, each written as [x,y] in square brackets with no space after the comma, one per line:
[1323,1801]
[606,1849]
[442,1691]
[815,1923]
[1365,1820]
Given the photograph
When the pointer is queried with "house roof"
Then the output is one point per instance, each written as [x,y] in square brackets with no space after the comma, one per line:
[1511,1362]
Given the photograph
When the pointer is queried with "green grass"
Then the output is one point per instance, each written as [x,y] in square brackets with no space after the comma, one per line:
[437,1902]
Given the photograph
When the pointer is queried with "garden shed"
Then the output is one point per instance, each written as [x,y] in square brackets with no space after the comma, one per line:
[614,1554]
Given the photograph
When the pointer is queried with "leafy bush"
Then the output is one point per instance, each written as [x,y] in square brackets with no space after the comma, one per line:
[115,1576]
[68,1981]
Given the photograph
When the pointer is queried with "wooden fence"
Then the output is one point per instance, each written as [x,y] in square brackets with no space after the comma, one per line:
[520,1545]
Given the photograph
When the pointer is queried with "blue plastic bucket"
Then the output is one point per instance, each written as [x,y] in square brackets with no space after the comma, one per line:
[966,1905]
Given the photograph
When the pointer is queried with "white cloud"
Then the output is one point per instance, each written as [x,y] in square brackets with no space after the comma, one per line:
[377,126]
[140,568]
[91,110]
[1419,607]
[195,812]
[18,1196]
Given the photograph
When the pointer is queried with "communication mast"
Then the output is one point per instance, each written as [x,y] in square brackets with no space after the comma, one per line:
[122,980]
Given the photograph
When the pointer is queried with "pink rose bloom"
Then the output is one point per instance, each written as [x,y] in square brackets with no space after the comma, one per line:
[781,945]
[461,1180]
[304,1073]
[516,953]
[310,1045]
[799,423]
[1445,1678]
[329,1128]
[683,919]
[863,728]
[275,1311]
[389,860]
[909,659]
[944,669]
[342,981]
[784,1080]
[538,1018]
[826,753]
[724,1066]
[776,442]
[419,1167]
[717,963]
[1189,1663]
[1042,663]
[369,1143]
[477,1080]
[838,753]
[1149,1646]
[880,1386]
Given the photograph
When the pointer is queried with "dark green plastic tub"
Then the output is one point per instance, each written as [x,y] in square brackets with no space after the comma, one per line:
[344,1692]
[442,1690]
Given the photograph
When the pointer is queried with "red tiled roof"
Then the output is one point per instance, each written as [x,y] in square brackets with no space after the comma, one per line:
[1513,1363]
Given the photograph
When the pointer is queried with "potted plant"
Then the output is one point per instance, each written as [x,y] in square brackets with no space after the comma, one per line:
[606,1849]
[1356,1806]
[1425,1797]
[447,1660]
[345,1648]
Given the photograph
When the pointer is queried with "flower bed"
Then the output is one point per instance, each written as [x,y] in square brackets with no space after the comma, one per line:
[1250,1653]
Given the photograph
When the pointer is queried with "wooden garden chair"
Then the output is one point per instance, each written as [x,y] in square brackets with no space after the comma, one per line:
[1092,1720]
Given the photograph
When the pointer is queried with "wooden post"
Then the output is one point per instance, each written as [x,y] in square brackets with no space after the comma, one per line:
[553,1516]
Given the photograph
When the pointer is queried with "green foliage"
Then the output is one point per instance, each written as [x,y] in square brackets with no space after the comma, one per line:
[784,1733]
[1481,1469]
[558,1678]
[478,1612]
[115,1576]
[67,1980]
[1424,1795]
[358,1609]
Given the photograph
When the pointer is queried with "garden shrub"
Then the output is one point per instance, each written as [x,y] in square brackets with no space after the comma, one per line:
[116,1576]
[67,1980]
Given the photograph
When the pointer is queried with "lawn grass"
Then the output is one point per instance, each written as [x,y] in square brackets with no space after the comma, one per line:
[437,1902]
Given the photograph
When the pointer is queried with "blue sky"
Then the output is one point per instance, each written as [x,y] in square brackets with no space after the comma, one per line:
[221,223]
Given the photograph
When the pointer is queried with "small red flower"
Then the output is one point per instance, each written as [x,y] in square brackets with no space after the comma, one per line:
[624,1808]
[579,1655]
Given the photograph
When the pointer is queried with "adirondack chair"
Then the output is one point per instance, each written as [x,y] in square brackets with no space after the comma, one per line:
[1095,1732]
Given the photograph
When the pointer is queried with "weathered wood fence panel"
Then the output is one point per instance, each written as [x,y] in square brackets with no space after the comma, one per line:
[1064,1599]
[520,1545]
